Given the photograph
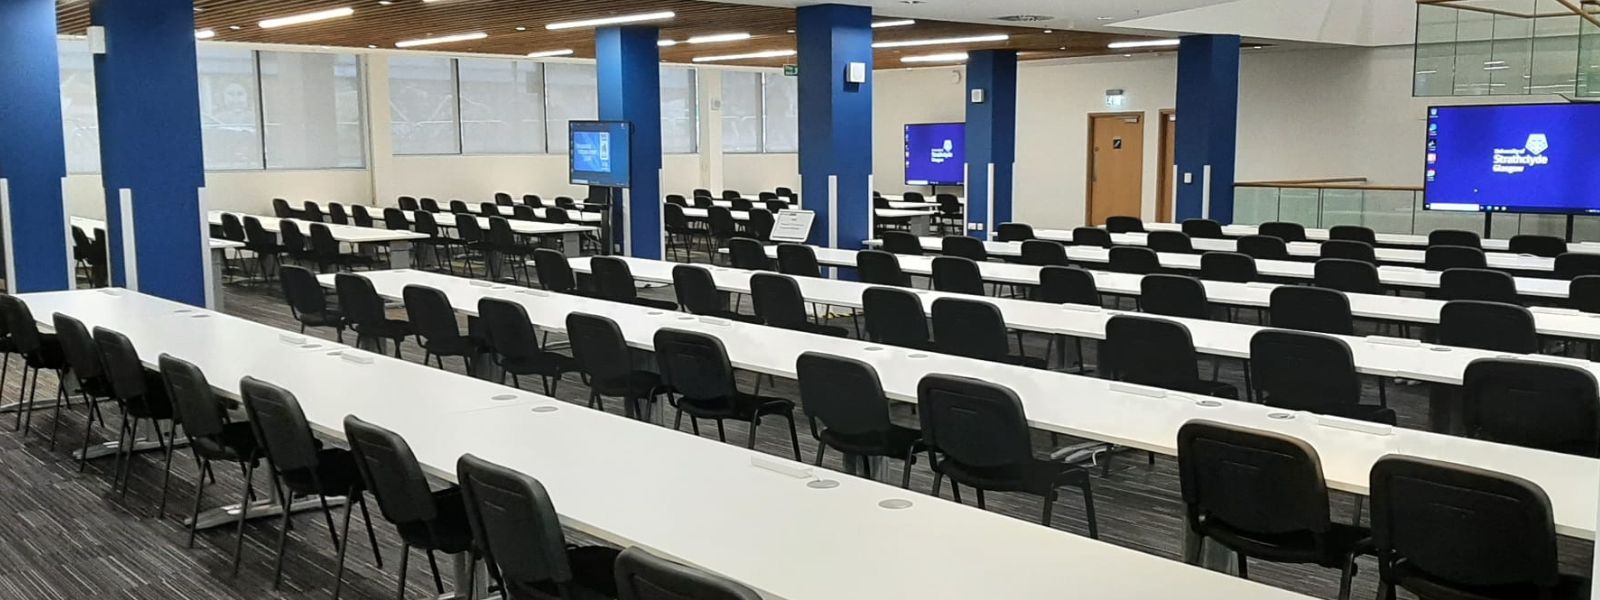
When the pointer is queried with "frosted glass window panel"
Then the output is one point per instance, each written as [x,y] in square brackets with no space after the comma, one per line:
[780,113]
[1588,59]
[741,111]
[1435,50]
[422,105]
[680,126]
[80,120]
[1390,211]
[572,93]
[1474,52]
[1555,52]
[1510,65]
[311,106]
[230,108]
[502,106]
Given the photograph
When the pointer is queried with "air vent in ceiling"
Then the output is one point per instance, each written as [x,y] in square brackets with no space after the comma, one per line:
[1025,18]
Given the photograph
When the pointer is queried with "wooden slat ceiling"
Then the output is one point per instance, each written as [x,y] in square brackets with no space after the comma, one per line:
[380,24]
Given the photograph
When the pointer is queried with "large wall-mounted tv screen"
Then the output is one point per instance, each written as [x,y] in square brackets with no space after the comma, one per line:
[936,154]
[1527,158]
[598,153]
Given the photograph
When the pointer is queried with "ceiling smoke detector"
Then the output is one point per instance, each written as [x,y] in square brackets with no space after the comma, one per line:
[1025,18]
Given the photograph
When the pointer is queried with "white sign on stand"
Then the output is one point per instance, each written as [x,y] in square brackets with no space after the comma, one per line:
[792,226]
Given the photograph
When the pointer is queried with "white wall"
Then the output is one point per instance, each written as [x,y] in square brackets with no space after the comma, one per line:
[751,173]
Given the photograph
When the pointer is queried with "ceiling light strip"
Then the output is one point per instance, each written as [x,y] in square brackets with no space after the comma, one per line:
[927,58]
[893,23]
[1143,44]
[311,17]
[638,18]
[550,53]
[748,56]
[976,39]
[719,37]
[443,39]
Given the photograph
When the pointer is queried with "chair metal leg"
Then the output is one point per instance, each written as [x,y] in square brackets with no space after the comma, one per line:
[338,577]
[433,564]
[199,494]
[372,538]
[1346,573]
[283,538]
[821,447]
[1244,566]
[794,436]
[405,558]
[955,491]
[244,503]
[161,508]
[722,434]
[1088,511]
[1046,517]
[905,471]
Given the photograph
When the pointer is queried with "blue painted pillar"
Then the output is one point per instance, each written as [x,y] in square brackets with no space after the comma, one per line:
[1208,125]
[150,153]
[628,64]
[836,122]
[32,154]
[991,139]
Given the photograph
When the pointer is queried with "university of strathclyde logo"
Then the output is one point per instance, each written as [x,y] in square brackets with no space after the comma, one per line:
[1537,143]
[1512,161]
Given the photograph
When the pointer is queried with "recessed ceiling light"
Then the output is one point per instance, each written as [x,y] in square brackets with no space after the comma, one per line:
[893,23]
[443,39]
[999,37]
[310,17]
[1127,56]
[204,34]
[666,43]
[1257,47]
[654,16]
[550,53]
[1143,44]
[372,45]
[751,55]
[1062,48]
[236,28]
[1105,18]
[791,31]
[950,57]
[1049,31]
[385,2]
[719,37]
[521,28]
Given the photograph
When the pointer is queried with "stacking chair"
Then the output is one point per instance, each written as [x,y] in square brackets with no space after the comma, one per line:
[1348,276]
[895,317]
[1454,237]
[555,272]
[532,201]
[850,413]
[312,213]
[1262,495]
[878,267]
[1309,371]
[360,217]
[977,435]
[1548,246]
[1444,530]
[760,224]
[1158,353]
[1264,247]
[964,247]
[1314,309]
[1173,296]
[39,352]
[1478,284]
[395,219]
[1134,260]
[427,519]
[434,322]
[295,244]
[502,199]
[1348,249]
[515,344]
[1091,236]
[82,360]
[957,275]
[975,329]
[1493,326]
[602,356]
[1584,294]
[262,243]
[1067,285]
[212,436]
[502,240]
[408,203]
[952,214]
[1283,230]
[798,260]
[613,281]
[325,251]
[1228,266]
[459,207]
[140,394]
[1013,232]
[645,576]
[363,310]
[430,205]
[1540,405]
[1043,253]
[470,237]
[1170,241]
[778,303]
[697,293]
[1571,265]
[516,527]
[1124,224]
[900,242]
[1202,228]
[681,235]
[337,214]
[748,254]
[1353,233]
[1441,257]
[281,209]
[301,465]
[438,244]
[307,302]
[696,366]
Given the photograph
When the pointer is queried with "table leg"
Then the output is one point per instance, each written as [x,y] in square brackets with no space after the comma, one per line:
[464,568]
[572,244]
[218,261]
[1444,408]
[272,506]
[400,254]
[1207,554]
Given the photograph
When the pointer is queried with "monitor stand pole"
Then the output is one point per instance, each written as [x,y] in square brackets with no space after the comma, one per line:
[1570,219]
[604,197]
[1488,225]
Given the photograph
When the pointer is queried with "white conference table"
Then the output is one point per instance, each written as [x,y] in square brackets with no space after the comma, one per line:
[928,199]
[1126,415]
[218,246]
[1383,239]
[595,465]
[398,241]
[571,234]
[1313,250]
[574,215]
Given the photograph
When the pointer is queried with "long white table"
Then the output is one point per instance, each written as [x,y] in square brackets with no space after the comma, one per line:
[570,233]
[365,238]
[576,216]
[218,246]
[1383,239]
[1313,250]
[1132,416]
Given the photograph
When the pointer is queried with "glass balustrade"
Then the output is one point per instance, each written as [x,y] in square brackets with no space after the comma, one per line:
[1384,209]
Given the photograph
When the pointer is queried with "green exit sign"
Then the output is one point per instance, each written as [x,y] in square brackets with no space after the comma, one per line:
[791,70]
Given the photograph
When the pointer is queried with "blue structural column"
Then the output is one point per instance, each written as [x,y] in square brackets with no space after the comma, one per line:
[991,138]
[628,64]
[1208,118]
[836,122]
[32,156]
[150,151]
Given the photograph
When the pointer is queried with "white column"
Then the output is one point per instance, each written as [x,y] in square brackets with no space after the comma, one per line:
[709,86]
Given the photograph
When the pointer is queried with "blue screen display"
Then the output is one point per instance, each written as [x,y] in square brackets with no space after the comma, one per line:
[1533,158]
[936,154]
[599,153]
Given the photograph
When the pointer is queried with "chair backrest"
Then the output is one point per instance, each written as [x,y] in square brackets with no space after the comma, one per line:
[515,525]
[301,290]
[798,260]
[1013,232]
[500,235]
[502,198]
[697,290]
[425,224]
[895,316]
[672,215]
[1348,249]
[1353,233]
[1067,285]
[430,313]
[193,401]
[429,204]
[532,201]
[957,275]
[777,301]
[322,242]
[701,193]
[1495,326]
[358,300]
[312,212]
[731,195]
[19,323]
[337,214]
[255,234]
[1548,246]
[1091,236]
[1571,265]
[1149,351]
[972,422]
[1264,247]
[612,279]
[1283,230]
[360,217]
[677,199]
[1348,276]
[1462,525]
[508,330]
[1134,260]
[1454,237]
[281,209]
[555,273]
[458,206]
[949,204]
[843,393]
[598,347]
[468,228]
[761,223]
[645,576]
[1478,284]
[963,246]
[395,219]
[704,202]
[280,425]
[881,268]
[694,364]
[1304,308]
[748,254]
[1542,405]
[293,239]
[124,372]
[1043,253]
[409,203]
[1228,266]
[970,328]
[78,347]
[1303,371]
[1250,481]
[391,472]
[1584,293]
[559,216]
[913,197]
[232,228]
[1124,224]
[900,242]
[1441,257]
[1202,228]
[1169,241]
[1173,296]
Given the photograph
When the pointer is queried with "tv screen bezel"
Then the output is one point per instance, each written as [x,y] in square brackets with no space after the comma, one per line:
[572,130]
[1427,117]
[905,172]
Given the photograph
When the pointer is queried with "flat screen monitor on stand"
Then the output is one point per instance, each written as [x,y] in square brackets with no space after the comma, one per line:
[598,156]
[936,154]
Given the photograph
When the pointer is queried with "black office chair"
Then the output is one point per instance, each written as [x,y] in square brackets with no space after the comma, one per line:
[720,224]
[613,280]
[964,247]
[141,394]
[363,310]
[1013,232]
[555,272]
[895,317]
[878,267]
[1169,241]
[1134,260]
[299,463]
[1439,258]
[1539,405]
[337,214]
[212,436]
[798,260]
[1315,309]
[748,254]
[1548,246]
[1283,230]
[514,253]
[1454,237]
[360,217]
[1263,247]
[977,435]
[40,352]
[433,320]
[511,337]
[1067,285]
[516,527]
[474,242]
[1349,250]
[408,203]
[532,201]
[1173,296]
[502,199]
[1353,233]
[957,275]
[645,576]
[1158,353]
[295,245]
[1478,284]
[427,519]
[1043,253]
[438,244]
[952,215]
[697,293]
[1583,294]
[1262,495]
[606,363]
[1571,265]
[681,235]
[1491,326]
[846,398]
[326,252]
[82,361]
[1444,530]
[1202,228]
[975,329]
[777,301]
[1348,276]
[696,366]
[1313,372]
[900,242]
[429,204]
[760,225]
[1124,224]
[1091,236]
[1232,267]
[459,207]
[312,213]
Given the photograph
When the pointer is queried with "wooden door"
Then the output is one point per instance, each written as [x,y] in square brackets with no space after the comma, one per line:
[1116,166]
[1168,167]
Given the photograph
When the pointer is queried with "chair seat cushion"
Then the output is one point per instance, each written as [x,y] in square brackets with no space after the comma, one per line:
[637,384]
[1294,547]
[448,532]
[236,443]
[897,442]
[593,576]
[1569,587]
[742,406]
[1038,477]
[393,329]
[336,471]
[657,304]
[327,318]
[462,345]
[542,363]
